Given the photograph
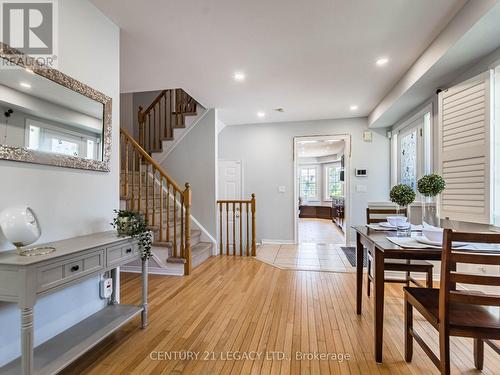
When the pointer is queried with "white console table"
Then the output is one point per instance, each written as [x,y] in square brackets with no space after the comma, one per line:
[24,279]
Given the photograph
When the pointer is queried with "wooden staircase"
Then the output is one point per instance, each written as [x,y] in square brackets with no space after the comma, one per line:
[146,188]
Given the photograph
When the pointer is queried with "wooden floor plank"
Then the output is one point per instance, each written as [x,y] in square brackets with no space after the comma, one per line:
[236,306]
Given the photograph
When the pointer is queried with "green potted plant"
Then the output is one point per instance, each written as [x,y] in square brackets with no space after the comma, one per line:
[403,195]
[430,186]
[129,223]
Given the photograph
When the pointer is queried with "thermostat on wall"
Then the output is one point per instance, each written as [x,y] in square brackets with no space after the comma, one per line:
[360,172]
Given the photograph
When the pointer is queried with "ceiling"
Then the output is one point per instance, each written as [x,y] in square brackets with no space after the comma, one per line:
[318,149]
[314,59]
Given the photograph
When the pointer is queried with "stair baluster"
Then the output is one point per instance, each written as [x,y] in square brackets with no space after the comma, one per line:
[233,236]
[141,179]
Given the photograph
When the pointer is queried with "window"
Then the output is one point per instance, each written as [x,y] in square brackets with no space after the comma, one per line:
[309,183]
[333,184]
[54,139]
[412,153]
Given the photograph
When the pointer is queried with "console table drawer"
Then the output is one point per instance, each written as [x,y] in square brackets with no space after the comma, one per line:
[54,274]
[117,254]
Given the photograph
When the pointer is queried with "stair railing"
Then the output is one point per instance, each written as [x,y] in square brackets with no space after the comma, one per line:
[237,222]
[149,190]
[164,114]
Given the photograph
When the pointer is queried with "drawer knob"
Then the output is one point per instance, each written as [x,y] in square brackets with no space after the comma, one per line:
[75,268]
[128,251]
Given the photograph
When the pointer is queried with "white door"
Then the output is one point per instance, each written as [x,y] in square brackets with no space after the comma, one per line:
[230,188]
[229,179]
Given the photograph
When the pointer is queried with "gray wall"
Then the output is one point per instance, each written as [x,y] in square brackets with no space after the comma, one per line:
[68,202]
[266,153]
[194,160]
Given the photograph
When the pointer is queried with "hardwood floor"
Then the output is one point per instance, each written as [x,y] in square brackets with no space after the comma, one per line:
[231,305]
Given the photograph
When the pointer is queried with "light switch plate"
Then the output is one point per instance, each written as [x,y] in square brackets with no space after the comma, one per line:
[281,189]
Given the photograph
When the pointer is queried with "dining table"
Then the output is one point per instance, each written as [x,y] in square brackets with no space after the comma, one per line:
[382,248]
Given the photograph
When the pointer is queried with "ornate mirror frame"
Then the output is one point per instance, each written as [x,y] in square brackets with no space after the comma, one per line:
[22,154]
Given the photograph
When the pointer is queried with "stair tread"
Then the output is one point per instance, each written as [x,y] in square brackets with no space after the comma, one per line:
[200,247]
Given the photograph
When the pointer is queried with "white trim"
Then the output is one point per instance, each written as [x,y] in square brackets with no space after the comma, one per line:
[347,178]
[177,140]
[151,270]
[277,242]
[414,117]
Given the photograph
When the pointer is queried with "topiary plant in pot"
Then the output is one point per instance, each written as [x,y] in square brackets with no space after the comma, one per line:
[129,223]
[403,195]
[430,186]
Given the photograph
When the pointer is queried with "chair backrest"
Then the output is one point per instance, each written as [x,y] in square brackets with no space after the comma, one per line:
[450,277]
[379,215]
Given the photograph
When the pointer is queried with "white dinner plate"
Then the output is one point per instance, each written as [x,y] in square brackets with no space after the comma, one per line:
[425,240]
[385,224]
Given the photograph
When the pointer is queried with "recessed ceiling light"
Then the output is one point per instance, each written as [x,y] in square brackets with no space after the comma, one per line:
[382,61]
[353,107]
[26,85]
[261,114]
[239,76]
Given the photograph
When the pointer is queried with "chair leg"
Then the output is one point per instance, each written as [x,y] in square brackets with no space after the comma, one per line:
[444,354]
[368,277]
[408,330]
[429,278]
[478,353]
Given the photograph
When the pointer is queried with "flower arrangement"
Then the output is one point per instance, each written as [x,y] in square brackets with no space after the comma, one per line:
[128,223]
[402,195]
[431,185]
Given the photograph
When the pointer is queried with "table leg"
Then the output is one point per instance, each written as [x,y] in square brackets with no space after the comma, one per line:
[359,273]
[27,341]
[379,302]
[144,315]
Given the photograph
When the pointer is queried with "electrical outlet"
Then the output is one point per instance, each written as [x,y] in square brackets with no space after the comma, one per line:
[106,288]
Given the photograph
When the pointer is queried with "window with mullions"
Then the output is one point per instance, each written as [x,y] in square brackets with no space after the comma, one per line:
[309,183]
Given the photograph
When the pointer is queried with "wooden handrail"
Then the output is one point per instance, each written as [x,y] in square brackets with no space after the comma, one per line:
[150,191]
[231,234]
[149,159]
[166,113]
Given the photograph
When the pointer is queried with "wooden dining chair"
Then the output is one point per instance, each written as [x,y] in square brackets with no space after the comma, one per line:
[457,312]
[402,265]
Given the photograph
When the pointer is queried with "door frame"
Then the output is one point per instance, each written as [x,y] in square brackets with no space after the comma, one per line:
[347,179]
[242,187]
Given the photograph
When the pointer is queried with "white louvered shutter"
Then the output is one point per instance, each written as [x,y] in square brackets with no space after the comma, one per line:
[464,150]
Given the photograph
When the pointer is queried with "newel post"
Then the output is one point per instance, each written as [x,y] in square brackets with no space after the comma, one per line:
[187,243]
[254,251]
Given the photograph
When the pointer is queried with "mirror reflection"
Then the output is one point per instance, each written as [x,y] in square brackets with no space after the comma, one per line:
[41,115]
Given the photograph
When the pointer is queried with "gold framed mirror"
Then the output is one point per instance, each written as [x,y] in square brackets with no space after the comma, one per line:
[47,117]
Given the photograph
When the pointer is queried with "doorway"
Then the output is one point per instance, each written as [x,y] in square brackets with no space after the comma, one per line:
[321,189]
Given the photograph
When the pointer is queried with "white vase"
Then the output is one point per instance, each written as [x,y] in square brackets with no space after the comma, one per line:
[429,211]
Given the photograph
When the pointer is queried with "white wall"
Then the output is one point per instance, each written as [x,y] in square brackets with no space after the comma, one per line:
[194,160]
[68,202]
[266,151]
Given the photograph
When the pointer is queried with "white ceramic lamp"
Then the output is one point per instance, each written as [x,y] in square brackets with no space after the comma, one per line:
[20,226]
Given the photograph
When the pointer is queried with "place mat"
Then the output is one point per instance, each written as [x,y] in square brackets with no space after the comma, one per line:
[414,228]
[411,243]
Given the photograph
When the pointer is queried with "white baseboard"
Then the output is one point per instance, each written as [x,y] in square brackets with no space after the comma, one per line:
[151,271]
[277,242]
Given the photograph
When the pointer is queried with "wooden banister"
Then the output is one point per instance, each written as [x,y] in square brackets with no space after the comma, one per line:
[149,190]
[236,232]
[165,113]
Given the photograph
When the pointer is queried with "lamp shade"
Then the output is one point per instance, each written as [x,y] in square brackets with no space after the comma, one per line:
[19,225]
